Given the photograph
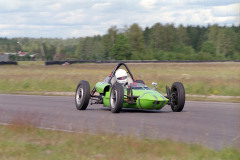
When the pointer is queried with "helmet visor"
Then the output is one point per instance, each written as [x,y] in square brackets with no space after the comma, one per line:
[122,78]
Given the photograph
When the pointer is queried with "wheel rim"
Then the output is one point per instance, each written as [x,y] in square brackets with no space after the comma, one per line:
[79,95]
[175,97]
[113,98]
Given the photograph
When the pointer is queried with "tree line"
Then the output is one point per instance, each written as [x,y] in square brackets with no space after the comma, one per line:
[158,42]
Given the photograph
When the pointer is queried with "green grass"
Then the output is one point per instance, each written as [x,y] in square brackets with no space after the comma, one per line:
[26,143]
[30,63]
[198,78]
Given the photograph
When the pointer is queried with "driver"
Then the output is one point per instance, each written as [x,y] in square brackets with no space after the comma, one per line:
[121,76]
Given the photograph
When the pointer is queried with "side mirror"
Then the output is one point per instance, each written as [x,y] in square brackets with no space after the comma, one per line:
[154,84]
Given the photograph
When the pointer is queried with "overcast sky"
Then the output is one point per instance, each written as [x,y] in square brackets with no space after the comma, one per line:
[80,18]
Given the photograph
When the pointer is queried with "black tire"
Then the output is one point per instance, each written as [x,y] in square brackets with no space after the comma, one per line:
[116,98]
[177,97]
[140,81]
[82,95]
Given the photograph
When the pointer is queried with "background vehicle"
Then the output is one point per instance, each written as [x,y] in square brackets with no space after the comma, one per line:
[133,95]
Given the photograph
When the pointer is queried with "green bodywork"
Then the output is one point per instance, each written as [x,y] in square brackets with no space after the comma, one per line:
[101,86]
[147,98]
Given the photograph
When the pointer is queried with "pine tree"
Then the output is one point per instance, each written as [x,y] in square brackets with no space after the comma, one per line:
[121,48]
[135,36]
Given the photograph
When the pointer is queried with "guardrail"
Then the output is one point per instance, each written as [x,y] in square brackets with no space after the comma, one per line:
[134,61]
[8,62]
[119,61]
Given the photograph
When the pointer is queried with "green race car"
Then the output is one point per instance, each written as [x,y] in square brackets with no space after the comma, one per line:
[130,94]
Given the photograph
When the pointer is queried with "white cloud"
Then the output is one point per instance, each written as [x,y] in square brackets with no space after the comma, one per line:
[79,18]
[100,6]
[224,11]
[211,2]
[55,7]
[6,33]
[148,3]
[10,5]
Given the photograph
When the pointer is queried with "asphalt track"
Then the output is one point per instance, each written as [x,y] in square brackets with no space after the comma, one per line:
[215,125]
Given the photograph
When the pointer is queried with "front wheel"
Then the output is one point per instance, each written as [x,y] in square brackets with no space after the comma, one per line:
[82,95]
[177,97]
[116,98]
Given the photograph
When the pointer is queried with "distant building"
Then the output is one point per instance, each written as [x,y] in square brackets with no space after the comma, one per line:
[21,54]
[15,56]
[4,58]
[10,53]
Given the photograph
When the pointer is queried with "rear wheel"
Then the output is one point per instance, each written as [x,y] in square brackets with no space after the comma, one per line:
[82,95]
[116,98]
[177,97]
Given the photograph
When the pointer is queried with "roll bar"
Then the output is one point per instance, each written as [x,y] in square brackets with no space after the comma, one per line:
[118,66]
[113,74]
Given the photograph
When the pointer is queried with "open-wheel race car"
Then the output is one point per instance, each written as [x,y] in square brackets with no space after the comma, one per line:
[120,90]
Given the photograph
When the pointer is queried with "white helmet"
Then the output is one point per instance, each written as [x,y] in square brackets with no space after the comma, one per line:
[121,76]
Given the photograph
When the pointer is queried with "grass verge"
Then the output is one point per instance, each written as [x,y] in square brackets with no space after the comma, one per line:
[30,63]
[198,78]
[24,142]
